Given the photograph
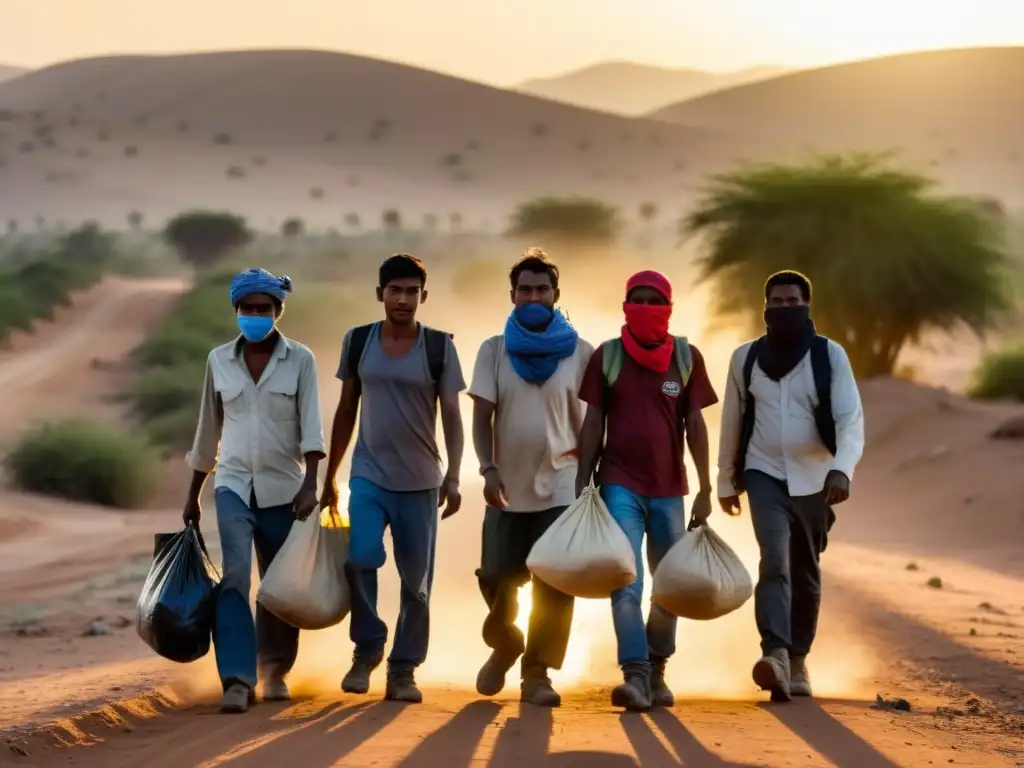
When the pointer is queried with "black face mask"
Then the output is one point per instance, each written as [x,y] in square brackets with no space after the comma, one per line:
[787,323]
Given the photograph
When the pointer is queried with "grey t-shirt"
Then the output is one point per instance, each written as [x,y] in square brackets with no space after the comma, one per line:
[396,447]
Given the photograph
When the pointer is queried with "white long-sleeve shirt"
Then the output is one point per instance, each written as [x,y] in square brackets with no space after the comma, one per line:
[785,443]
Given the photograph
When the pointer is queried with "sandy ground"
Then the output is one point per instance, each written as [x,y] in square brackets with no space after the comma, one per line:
[956,653]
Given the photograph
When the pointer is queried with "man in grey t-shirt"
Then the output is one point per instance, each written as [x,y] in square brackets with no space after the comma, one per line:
[400,370]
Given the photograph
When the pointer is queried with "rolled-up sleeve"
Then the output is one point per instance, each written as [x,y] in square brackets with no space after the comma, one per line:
[311,427]
[847,411]
[206,444]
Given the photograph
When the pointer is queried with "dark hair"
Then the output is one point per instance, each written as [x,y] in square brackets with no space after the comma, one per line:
[400,266]
[278,304]
[789,277]
[534,260]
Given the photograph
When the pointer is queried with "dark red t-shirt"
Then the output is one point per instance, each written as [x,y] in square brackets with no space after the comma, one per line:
[643,450]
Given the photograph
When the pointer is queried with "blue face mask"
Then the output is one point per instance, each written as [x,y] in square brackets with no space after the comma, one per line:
[534,315]
[255,328]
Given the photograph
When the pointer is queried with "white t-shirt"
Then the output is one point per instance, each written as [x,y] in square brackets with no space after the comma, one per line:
[536,427]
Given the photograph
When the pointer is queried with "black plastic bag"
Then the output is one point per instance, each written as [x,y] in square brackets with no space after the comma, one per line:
[176,607]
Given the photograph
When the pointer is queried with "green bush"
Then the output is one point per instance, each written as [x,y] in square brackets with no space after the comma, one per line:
[1000,376]
[162,391]
[87,462]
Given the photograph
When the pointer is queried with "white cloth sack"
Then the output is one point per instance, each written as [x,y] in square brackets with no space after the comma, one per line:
[701,577]
[305,584]
[584,553]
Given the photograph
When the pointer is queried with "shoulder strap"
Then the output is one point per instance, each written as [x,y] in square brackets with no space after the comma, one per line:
[611,364]
[821,368]
[748,365]
[356,347]
[684,358]
[747,418]
[436,342]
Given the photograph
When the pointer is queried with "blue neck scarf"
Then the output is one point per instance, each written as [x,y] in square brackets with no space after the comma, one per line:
[535,354]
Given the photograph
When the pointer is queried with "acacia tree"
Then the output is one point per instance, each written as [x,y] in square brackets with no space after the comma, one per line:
[203,237]
[574,218]
[889,258]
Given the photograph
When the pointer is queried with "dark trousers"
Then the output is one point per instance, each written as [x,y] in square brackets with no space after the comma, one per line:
[507,540]
[792,532]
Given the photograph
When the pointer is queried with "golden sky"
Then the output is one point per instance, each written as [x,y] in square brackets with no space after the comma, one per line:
[506,41]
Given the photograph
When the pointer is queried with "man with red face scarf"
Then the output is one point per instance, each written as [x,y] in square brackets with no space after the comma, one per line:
[645,392]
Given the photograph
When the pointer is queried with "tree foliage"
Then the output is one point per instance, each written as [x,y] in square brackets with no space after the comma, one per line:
[648,212]
[293,227]
[391,219]
[567,218]
[889,258]
[203,237]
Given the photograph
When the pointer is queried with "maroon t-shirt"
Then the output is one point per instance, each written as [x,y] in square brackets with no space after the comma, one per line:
[643,450]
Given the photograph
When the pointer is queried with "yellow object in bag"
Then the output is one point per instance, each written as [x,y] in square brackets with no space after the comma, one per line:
[584,553]
[305,584]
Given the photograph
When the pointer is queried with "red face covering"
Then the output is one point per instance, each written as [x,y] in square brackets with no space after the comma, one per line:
[645,335]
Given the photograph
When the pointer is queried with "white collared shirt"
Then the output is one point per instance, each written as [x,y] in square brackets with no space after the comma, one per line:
[785,443]
[256,435]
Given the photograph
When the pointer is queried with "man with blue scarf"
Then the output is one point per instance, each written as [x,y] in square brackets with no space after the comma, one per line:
[526,419]
[259,427]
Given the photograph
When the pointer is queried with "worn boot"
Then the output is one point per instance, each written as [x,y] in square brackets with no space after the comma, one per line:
[536,689]
[401,686]
[799,680]
[275,689]
[634,693]
[357,680]
[237,699]
[661,695]
[491,679]
[771,673]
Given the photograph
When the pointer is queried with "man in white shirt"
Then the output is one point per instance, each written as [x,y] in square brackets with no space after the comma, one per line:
[526,419]
[792,434]
[259,427]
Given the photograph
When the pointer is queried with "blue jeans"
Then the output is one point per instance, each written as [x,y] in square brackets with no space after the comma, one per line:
[235,637]
[663,522]
[412,517]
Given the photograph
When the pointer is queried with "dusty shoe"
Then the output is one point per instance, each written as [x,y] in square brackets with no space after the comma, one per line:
[491,679]
[402,687]
[771,673]
[799,680]
[276,689]
[357,680]
[661,695]
[538,690]
[236,699]
[634,693]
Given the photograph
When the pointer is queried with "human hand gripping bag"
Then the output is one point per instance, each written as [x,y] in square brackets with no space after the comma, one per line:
[584,553]
[701,577]
[174,614]
[305,584]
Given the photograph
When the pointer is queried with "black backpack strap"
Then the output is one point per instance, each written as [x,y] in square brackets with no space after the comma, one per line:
[747,422]
[821,367]
[356,347]
[437,345]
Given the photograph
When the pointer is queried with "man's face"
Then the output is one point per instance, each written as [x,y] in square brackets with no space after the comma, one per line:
[534,288]
[401,297]
[646,295]
[258,305]
[785,296]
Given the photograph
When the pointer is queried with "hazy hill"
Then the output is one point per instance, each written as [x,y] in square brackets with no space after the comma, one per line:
[278,132]
[9,72]
[629,88]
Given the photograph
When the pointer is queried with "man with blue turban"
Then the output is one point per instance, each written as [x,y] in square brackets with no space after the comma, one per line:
[260,429]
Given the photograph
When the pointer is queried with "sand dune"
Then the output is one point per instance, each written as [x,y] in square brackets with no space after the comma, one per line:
[955,111]
[628,88]
[275,132]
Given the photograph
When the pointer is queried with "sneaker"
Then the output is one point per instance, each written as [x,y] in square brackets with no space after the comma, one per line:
[661,694]
[799,680]
[538,690]
[491,679]
[634,693]
[771,673]
[236,699]
[401,686]
[357,680]
[276,690]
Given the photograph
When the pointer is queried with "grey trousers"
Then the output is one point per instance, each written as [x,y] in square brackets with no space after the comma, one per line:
[792,532]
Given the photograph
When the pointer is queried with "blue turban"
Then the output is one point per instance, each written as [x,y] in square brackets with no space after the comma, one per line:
[259,281]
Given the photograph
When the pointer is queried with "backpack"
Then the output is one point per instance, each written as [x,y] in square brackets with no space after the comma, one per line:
[824,420]
[613,354]
[434,340]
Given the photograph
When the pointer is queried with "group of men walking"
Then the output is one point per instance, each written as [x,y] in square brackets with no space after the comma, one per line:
[551,414]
